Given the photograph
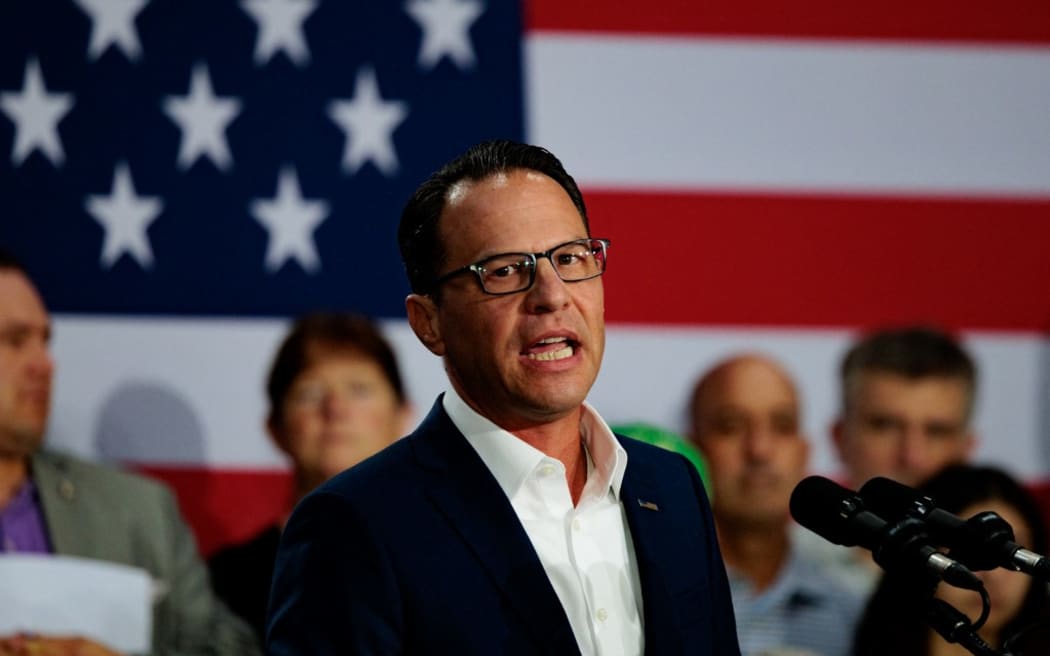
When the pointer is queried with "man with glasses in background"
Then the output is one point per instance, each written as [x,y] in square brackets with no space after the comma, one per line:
[512,520]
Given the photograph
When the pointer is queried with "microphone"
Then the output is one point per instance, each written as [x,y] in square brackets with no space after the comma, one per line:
[985,541]
[839,516]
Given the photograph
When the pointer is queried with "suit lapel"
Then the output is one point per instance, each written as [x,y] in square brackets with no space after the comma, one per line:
[648,517]
[466,493]
[59,496]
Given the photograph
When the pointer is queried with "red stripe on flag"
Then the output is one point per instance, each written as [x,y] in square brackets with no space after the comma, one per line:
[724,259]
[1012,21]
[225,506]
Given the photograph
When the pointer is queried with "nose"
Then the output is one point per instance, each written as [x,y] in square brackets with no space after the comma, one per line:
[336,405]
[913,454]
[759,443]
[41,364]
[548,292]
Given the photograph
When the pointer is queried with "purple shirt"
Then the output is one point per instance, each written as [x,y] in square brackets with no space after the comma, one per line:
[22,523]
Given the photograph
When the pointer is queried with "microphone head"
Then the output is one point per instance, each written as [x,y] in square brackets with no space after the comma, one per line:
[826,508]
[891,500]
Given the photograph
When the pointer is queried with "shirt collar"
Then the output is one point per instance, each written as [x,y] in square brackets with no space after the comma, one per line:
[511,460]
[24,499]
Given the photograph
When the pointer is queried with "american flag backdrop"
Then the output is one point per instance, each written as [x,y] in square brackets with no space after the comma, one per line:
[182,176]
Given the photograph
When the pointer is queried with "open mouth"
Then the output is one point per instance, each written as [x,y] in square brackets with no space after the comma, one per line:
[551,348]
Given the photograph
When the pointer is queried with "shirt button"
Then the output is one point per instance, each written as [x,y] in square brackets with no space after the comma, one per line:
[547,470]
[576,524]
[602,614]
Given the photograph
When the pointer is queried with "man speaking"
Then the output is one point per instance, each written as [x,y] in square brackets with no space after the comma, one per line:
[512,521]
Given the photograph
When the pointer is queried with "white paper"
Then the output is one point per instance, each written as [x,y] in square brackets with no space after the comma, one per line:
[106,602]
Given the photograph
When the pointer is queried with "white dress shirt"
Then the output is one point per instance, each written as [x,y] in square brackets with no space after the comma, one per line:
[586,550]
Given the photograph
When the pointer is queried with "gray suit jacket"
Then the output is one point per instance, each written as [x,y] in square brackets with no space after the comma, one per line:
[99,512]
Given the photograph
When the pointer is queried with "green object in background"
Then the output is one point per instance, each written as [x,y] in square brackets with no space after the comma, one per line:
[665,439]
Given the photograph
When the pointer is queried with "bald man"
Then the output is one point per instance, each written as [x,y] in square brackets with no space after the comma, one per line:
[746,420]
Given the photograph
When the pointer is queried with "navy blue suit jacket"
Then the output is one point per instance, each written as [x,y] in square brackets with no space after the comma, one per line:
[417,550]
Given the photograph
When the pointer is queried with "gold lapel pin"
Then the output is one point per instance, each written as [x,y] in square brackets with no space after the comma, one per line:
[66,489]
[648,505]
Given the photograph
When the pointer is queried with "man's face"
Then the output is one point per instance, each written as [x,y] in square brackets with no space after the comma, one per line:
[902,428]
[339,410]
[526,358]
[746,422]
[25,365]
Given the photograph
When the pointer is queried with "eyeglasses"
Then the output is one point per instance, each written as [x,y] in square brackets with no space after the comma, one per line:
[509,273]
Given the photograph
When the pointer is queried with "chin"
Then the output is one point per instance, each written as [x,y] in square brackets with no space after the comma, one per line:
[559,400]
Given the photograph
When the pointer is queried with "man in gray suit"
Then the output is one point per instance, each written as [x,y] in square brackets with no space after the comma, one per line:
[52,503]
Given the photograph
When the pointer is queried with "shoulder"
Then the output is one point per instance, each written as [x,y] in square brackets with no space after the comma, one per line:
[381,485]
[100,479]
[834,562]
[822,581]
[387,470]
[245,555]
[658,465]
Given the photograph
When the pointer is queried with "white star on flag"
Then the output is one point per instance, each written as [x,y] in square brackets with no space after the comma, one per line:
[291,221]
[280,28]
[203,118]
[113,23]
[369,123]
[36,114]
[125,216]
[446,30]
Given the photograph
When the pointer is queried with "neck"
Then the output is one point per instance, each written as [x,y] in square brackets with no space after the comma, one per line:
[560,439]
[14,471]
[303,483]
[758,552]
[557,435]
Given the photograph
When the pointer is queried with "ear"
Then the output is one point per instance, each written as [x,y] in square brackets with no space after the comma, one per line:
[806,448]
[838,438]
[277,436]
[423,317]
[693,437]
[971,446]
[405,415]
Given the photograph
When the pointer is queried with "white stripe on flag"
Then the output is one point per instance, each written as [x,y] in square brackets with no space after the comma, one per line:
[715,113]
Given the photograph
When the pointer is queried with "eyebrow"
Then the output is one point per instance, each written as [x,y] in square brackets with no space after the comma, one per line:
[17,327]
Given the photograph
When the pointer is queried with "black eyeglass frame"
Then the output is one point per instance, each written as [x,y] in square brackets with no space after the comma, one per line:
[478,268]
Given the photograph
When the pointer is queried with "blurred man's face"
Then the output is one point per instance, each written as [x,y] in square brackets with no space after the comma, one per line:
[902,428]
[339,410]
[529,357]
[746,422]
[25,365]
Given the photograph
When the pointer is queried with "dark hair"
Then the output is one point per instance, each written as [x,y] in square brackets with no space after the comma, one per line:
[334,330]
[894,621]
[10,262]
[913,352]
[422,252]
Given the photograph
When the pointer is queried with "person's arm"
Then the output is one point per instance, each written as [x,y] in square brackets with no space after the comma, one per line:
[190,620]
[334,589]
